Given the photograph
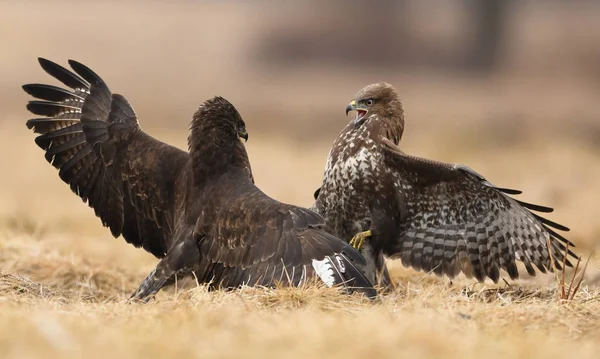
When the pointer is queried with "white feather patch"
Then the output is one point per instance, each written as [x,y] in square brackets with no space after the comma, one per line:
[324,269]
[341,264]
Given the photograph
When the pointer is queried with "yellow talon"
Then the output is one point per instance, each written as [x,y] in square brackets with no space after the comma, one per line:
[359,238]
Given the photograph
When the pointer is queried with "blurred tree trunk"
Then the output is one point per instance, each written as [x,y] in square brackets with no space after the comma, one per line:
[384,32]
[364,32]
[377,32]
[490,19]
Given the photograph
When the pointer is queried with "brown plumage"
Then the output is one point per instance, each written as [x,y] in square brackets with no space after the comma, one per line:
[199,210]
[437,217]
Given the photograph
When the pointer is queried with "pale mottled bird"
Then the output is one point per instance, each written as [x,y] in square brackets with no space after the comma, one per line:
[437,217]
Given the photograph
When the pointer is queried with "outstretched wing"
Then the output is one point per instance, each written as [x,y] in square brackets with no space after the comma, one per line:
[93,138]
[257,240]
[456,220]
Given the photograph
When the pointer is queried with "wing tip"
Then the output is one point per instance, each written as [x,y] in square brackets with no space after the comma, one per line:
[30,124]
[85,72]
[510,191]
[48,65]
[44,61]
[27,88]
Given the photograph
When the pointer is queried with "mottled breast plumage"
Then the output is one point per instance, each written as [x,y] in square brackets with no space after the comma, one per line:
[352,167]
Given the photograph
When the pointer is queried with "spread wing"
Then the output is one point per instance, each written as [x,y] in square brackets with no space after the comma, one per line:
[257,240]
[456,220]
[93,138]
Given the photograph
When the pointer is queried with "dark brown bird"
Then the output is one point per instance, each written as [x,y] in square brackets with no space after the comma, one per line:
[199,210]
[437,217]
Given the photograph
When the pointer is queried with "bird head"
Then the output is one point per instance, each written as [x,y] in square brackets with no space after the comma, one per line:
[378,99]
[214,141]
[217,117]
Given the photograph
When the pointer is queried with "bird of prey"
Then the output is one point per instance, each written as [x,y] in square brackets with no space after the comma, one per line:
[200,210]
[437,217]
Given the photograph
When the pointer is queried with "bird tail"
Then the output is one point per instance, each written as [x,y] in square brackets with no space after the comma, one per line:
[341,269]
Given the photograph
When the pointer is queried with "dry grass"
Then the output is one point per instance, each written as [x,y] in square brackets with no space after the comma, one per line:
[62,306]
[64,282]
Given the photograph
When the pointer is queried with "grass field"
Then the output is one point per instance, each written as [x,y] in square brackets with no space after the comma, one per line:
[75,307]
[64,280]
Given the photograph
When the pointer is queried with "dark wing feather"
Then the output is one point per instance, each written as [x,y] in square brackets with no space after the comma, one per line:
[454,219]
[94,139]
[256,240]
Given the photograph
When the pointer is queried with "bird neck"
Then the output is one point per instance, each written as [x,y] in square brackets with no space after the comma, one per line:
[214,153]
[393,121]
[394,128]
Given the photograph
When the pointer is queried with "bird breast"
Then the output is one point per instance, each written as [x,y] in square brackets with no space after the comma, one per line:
[350,173]
[352,162]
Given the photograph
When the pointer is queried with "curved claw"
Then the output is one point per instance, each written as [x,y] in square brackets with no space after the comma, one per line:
[359,238]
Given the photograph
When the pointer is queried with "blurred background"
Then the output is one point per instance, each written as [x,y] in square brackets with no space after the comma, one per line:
[510,88]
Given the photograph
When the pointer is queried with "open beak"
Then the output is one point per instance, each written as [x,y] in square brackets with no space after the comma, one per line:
[360,113]
[243,134]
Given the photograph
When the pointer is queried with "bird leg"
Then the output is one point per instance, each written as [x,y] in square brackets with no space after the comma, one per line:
[359,238]
[180,261]
[157,279]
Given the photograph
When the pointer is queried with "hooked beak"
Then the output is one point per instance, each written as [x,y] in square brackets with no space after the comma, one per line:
[243,134]
[361,112]
[351,107]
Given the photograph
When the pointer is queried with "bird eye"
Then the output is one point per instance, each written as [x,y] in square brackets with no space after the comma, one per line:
[369,102]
